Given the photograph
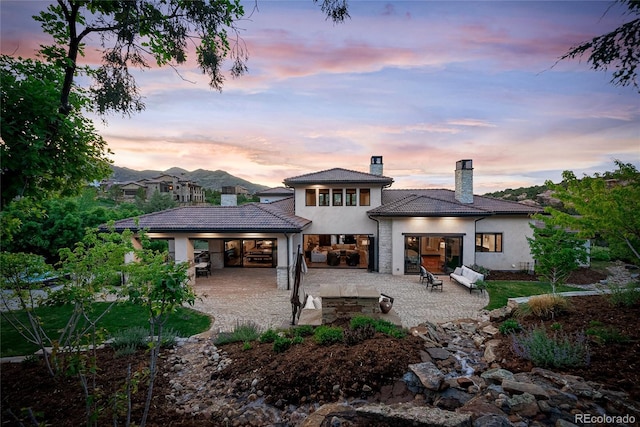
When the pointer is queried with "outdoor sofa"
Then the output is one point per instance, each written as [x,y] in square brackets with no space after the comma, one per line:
[466,277]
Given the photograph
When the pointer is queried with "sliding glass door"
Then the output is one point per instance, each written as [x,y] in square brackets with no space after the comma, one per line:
[437,253]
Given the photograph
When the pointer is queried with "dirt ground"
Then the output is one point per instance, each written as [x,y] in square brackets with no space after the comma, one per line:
[306,372]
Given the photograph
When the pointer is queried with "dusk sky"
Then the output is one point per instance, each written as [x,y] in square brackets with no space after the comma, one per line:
[421,83]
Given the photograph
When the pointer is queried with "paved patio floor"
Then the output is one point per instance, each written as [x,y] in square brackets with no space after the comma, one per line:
[237,295]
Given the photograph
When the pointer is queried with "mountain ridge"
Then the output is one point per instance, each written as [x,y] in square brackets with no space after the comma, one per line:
[211,180]
[215,180]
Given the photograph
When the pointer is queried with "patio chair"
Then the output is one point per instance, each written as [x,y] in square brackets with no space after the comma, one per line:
[435,283]
[423,275]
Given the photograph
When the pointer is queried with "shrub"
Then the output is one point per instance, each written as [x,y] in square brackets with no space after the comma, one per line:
[246,346]
[268,336]
[624,296]
[359,321]
[353,336]
[281,344]
[481,284]
[169,338]
[600,253]
[605,335]
[31,359]
[242,332]
[545,306]
[134,337]
[326,335]
[556,351]
[510,326]
[302,331]
[125,350]
[480,269]
[380,325]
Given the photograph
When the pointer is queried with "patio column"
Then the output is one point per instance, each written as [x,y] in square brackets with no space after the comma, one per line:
[184,253]
[130,256]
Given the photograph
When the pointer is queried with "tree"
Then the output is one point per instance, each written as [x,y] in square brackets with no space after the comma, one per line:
[44,228]
[607,205]
[160,286]
[144,30]
[48,146]
[37,162]
[619,48]
[21,277]
[158,202]
[557,252]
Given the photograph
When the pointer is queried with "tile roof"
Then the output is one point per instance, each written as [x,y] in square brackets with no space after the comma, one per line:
[441,202]
[251,217]
[340,176]
[276,191]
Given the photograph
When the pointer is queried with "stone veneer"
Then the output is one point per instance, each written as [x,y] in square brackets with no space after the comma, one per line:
[281,278]
[340,301]
[385,248]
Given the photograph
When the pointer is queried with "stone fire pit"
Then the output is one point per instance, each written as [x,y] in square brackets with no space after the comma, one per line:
[344,301]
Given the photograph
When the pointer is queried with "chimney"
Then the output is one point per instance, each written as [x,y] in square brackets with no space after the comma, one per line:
[376,165]
[464,181]
[229,196]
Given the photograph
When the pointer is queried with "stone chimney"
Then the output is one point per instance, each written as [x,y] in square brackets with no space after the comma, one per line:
[229,196]
[376,165]
[464,181]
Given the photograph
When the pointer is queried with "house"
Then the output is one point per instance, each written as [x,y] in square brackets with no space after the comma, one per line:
[273,194]
[343,218]
[181,191]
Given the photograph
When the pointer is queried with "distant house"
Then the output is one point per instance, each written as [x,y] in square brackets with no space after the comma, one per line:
[181,191]
[343,218]
[274,194]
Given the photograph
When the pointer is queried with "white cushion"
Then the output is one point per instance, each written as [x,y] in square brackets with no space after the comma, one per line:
[457,271]
[473,276]
[317,303]
[309,303]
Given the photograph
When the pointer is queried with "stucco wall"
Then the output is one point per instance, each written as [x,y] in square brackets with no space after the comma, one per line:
[515,249]
[338,219]
[514,231]
[444,225]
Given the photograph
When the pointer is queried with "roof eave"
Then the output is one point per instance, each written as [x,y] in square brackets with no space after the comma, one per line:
[434,215]
[214,230]
[339,181]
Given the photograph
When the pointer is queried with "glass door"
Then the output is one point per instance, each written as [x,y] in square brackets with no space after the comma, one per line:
[411,255]
[452,253]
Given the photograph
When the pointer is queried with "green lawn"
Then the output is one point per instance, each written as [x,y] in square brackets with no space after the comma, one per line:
[501,290]
[184,321]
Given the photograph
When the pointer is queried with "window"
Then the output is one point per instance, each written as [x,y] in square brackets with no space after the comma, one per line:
[488,242]
[365,197]
[337,197]
[323,197]
[310,197]
[351,197]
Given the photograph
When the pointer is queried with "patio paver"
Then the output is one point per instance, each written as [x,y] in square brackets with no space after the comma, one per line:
[241,295]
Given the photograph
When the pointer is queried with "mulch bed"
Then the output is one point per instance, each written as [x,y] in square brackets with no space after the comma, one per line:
[302,371]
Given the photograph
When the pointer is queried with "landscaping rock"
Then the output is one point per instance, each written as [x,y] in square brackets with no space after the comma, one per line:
[430,376]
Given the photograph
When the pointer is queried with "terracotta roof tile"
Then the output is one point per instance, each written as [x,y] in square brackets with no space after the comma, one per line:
[251,217]
[441,202]
[276,191]
[339,175]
